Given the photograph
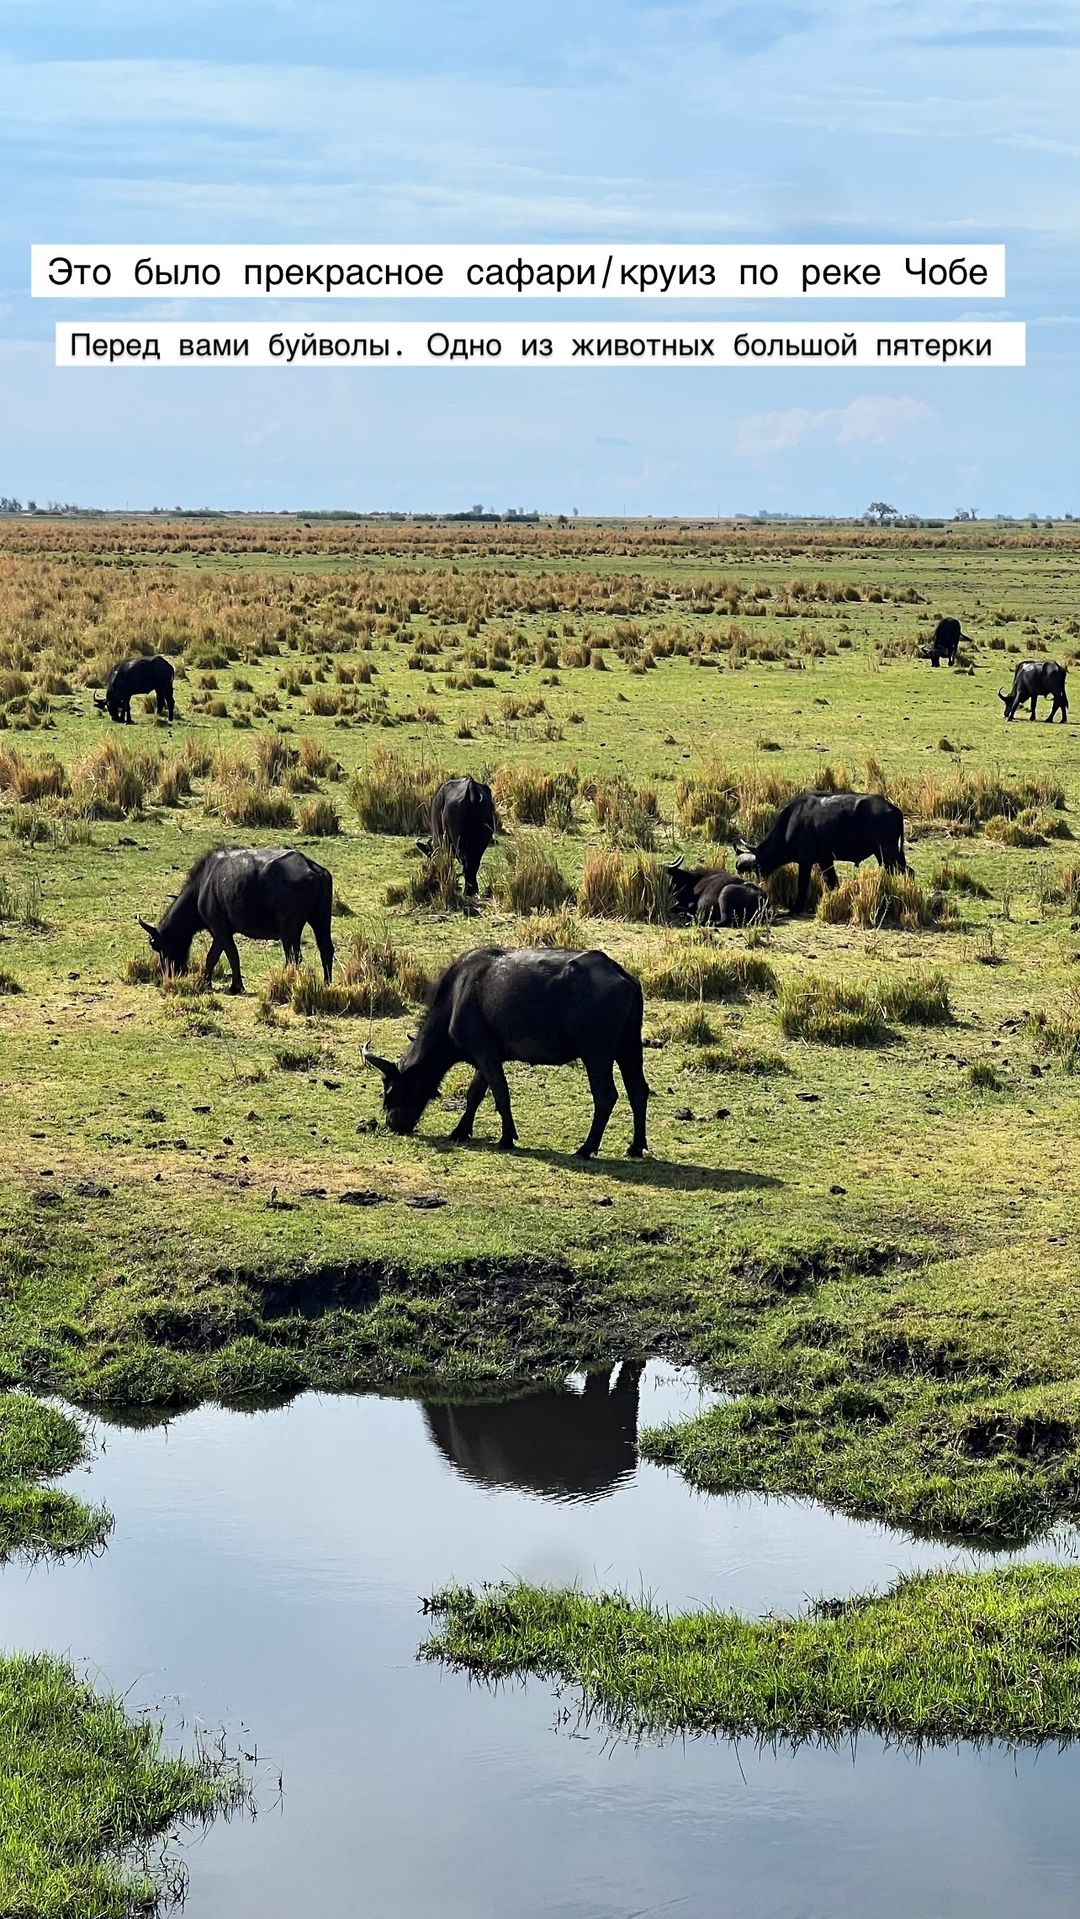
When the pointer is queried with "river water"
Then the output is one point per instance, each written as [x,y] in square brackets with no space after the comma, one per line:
[264,1576]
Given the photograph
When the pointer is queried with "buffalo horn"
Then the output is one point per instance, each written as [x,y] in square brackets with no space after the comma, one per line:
[1003,697]
[385,1066]
[674,865]
[147,928]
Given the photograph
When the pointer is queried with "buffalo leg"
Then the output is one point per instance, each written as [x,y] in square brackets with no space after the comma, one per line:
[803,894]
[325,944]
[828,874]
[477,1088]
[212,959]
[1034,699]
[602,1088]
[228,947]
[632,1068]
[491,1070]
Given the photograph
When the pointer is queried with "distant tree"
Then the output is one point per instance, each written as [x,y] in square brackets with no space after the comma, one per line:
[881,511]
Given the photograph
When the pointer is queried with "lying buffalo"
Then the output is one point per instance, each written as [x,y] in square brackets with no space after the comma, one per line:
[817,829]
[540,1005]
[462,819]
[558,1443]
[132,677]
[946,642]
[1034,680]
[708,894]
[263,895]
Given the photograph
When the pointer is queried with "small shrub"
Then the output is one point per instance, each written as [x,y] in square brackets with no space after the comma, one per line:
[690,970]
[436,883]
[551,929]
[947,877]
[26,780]
[392,795]
[243,804]
[529,880]
[983,1077]
[921,999]
[536,797]
[1064,891]
[143,969]
[830,1012]
[618,886]
[1057,1034]
[318,819]
[298,1059]
[872,897]
[734,1057]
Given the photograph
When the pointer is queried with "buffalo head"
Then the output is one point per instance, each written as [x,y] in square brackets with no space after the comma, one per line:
[102,705]
[403,1102]
[745,860]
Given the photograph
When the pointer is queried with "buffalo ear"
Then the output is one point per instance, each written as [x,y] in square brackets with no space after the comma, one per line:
[385,1066]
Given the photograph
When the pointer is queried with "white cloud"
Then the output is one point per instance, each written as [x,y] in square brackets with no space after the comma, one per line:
[867,421]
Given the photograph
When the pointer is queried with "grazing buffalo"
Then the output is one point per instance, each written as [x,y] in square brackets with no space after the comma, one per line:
[263,895]
[132,677]
[817,829]
[946,640]
[541,1005]
[559,1444]
[463,819]
[709,894]
[1035,680]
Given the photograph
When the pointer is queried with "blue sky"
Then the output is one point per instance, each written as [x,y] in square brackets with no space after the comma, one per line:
[435,120]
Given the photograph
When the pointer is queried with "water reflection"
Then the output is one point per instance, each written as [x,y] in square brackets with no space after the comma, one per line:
[566,1443]
[264,1574]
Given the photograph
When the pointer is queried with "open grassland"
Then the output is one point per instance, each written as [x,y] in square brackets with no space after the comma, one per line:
[858,1210]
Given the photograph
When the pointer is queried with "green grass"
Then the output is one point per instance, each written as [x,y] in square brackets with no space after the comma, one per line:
[863,1244]
[938,1657]
[86,1796]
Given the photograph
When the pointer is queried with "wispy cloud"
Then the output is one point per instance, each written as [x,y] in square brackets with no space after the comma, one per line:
[865,422]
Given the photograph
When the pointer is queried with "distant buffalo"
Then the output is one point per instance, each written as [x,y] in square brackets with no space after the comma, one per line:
[1034,680]
[817,829]
[946,641]
[132,677]
[462,819]
[709,894]
[541,1005]
[263,895]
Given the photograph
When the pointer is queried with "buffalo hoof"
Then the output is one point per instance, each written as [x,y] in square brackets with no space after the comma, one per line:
[634,1151]
[236,988]
[507,1143]
[459,1136]
[584,1151]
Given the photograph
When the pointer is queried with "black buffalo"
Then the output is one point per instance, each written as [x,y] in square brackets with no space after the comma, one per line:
[263,895]
[817,829]
[946,641]
[1034,680]
[462,819]
[559,1444]
[707,894]
[540,1005]
[132,677]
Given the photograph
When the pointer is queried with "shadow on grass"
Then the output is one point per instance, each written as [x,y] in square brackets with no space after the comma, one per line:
[663,1173]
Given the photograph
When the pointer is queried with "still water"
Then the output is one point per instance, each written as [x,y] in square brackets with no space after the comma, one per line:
[264,1576]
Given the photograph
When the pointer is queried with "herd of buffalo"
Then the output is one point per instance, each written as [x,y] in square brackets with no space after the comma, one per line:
[544,1006]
